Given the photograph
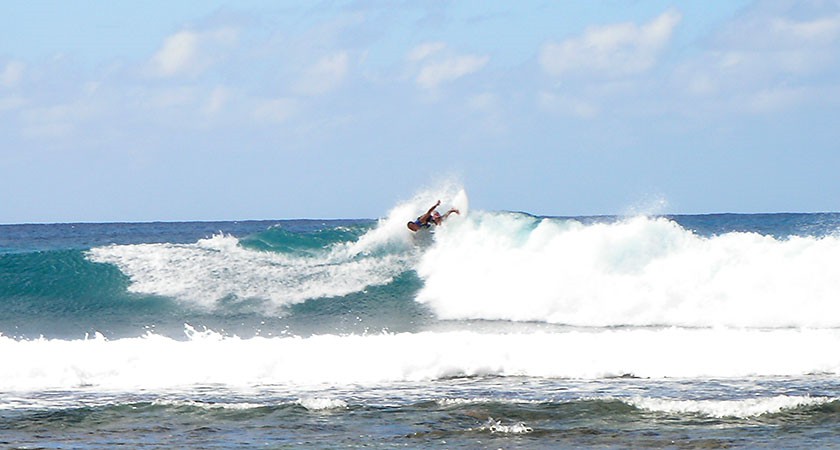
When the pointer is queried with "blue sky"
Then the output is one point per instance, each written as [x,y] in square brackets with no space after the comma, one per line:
[222,110]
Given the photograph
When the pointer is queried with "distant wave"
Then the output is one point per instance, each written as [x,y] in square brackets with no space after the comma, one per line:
[744,408]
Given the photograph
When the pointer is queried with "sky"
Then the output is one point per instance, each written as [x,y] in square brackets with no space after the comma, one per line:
[235,110]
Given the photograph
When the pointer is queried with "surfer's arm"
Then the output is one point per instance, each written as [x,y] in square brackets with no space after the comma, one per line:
[425,217]
[453,210]
[433,207]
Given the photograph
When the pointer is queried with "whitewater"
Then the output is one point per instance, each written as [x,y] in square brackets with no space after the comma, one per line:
[495,329]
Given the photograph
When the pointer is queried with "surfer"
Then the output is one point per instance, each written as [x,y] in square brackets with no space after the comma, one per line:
[431,217]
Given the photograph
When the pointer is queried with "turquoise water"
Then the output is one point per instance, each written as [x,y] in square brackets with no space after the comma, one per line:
[500,330]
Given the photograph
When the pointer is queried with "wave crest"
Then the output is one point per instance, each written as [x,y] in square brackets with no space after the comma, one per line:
[640,271]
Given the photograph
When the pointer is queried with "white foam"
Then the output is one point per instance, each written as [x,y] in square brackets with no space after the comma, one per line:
[729,408]
[207,405]
[640,271]
[496,426]
[464,401]
[207,358]
[212,269]
[478,400]
[321,404]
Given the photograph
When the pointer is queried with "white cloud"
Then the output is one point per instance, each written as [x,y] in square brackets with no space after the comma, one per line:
[424,51]
[218,98]
[450,69]
[325,75]
[11,103]
[612,50]
[12,74]
[435,64]
[765,61]
[190,52]
[47,130]
[771,33]
[57,121]
[776,99]
[780,44]
[824,29]
[485,102]
[489,111]
[568,105]
[275,110]
[170,97]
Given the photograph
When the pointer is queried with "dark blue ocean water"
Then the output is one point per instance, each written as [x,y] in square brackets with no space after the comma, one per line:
[497,330]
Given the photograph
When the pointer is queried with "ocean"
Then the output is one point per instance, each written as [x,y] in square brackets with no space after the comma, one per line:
[496,330]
